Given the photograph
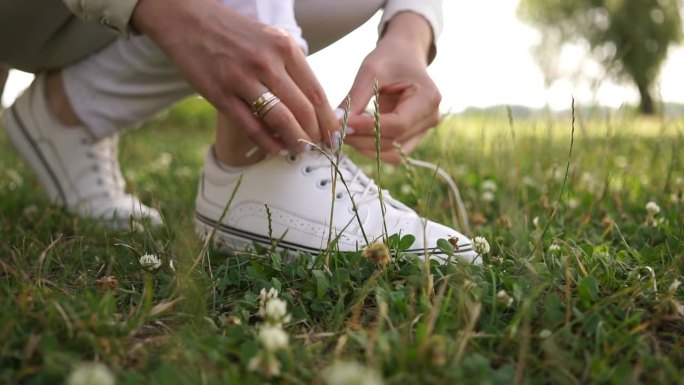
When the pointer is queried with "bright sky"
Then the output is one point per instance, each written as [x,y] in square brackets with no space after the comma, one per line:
[483,59]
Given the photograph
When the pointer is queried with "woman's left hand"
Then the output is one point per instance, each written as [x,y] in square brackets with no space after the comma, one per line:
[408,98]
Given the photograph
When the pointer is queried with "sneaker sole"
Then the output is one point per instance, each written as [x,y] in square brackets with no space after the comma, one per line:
[26,146]
[229,239]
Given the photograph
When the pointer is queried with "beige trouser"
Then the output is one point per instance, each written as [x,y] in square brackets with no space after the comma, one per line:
[114,83]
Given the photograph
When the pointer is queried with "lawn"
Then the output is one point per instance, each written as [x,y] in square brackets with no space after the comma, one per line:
[581,284]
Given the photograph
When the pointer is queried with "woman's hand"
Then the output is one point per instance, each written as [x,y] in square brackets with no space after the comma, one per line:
[231,60]
[409,99]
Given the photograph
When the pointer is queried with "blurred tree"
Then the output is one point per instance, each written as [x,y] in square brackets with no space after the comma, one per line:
[629,38]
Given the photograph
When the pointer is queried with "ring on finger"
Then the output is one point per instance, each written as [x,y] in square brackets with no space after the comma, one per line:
[264,103]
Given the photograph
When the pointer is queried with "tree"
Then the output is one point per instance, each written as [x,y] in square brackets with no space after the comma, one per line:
[630,38]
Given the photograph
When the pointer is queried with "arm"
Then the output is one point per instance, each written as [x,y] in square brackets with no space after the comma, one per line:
[115,15]
[430,10]
[231,59]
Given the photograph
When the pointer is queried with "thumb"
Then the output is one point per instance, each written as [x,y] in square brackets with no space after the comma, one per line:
[360,92]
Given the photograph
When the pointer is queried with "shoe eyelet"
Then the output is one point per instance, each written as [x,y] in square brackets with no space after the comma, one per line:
[306,170]
[339,195]
[292,158]
[99,181]
[84,141]
[322,183]
[96,168]
[89,154]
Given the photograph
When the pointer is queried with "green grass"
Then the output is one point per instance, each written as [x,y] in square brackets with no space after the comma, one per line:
[598,310]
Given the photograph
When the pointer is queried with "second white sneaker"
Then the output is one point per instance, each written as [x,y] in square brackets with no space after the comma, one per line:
[77,172]
[298,191]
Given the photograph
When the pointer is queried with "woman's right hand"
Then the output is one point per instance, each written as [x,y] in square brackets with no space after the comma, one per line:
[231,60]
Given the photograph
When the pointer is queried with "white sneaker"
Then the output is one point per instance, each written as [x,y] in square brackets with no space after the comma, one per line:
[299,195]
[77,172]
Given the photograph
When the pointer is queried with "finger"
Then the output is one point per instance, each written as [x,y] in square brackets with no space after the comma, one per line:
[367,143]
[408,119]
[361,90]
[391,157]
[298,105]
[284,124]
[304,77]
[255,130]
[278,119]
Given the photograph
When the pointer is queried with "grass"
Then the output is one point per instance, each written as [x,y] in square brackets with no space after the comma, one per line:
[603,307]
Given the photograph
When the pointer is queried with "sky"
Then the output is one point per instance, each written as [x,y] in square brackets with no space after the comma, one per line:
[483,59]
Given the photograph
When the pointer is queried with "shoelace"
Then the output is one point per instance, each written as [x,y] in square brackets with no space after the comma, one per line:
[362,188]
[361,183]
[104,155]
[338,139]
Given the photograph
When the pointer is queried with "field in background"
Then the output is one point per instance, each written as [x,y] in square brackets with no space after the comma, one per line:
[593,299]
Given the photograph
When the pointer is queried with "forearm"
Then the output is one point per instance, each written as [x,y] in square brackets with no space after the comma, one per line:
[429,10]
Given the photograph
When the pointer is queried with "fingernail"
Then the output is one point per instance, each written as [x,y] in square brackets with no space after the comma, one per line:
[283,152]
[349,130]
[339,113]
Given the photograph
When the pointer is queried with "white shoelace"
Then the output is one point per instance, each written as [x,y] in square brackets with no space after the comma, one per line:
[105,163]
[360,183]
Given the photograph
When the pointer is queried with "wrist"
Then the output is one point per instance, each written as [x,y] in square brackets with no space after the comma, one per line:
[410,31]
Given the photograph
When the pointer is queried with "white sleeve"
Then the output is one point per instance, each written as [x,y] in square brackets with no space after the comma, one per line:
[114,14]
[431,10]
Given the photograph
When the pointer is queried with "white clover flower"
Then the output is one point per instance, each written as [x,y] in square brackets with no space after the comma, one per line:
[652,208]
[503,298]
[90,374]
[150,262]
[489,185]
[572,203]
[535,222]
[674,286]
[350,373]
[272,338]
[162,162]
[546,333]
[266,362]
[554,248]
[264,298]
[488,196]
[276,309]
[480,245]
[266,295]
[621,161]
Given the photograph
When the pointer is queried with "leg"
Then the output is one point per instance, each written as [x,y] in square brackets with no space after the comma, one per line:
[75,156]
[4,72]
